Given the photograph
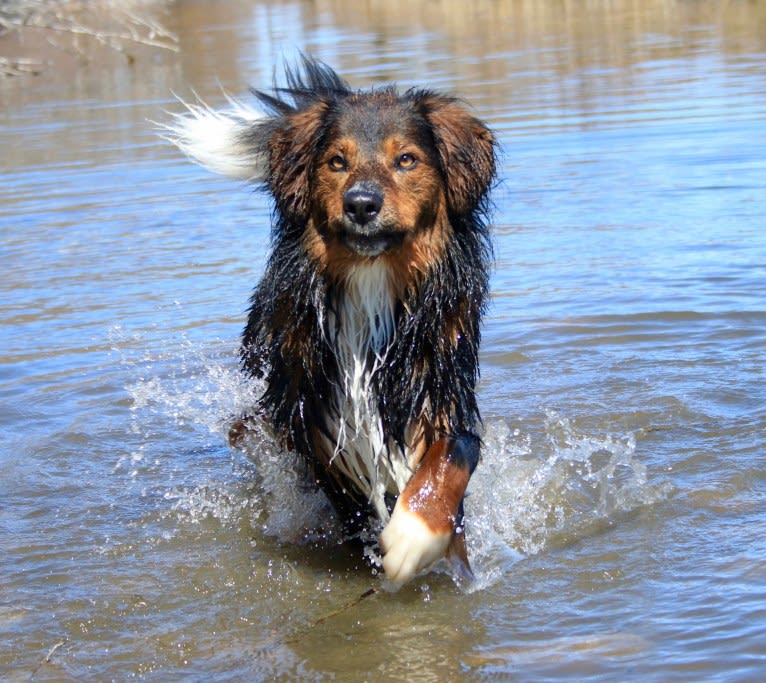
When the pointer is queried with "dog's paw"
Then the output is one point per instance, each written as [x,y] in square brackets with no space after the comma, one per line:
[409,545]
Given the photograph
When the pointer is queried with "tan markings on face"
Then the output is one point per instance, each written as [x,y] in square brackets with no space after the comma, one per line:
[330,183]
[418,196]
[414,203]
[413,187]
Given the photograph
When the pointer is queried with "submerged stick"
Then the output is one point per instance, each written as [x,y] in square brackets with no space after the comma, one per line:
[49,656]
[349,605]
[353,603]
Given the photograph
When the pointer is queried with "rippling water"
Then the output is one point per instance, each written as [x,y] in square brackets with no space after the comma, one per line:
[616,523]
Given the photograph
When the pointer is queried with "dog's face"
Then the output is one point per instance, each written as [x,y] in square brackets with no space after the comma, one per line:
[377,182]
[355,176]
[378,175]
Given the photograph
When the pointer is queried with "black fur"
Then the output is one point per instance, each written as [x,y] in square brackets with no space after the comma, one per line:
[426,375]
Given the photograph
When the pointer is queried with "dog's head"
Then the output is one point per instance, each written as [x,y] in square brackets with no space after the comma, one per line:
[360,175]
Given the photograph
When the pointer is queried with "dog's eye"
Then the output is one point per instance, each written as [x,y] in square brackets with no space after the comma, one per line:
[406,161]
[337,163]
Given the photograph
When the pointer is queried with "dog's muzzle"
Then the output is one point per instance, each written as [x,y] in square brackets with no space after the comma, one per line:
[363,233]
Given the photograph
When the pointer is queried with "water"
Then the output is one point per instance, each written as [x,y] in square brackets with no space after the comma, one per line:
[616,522]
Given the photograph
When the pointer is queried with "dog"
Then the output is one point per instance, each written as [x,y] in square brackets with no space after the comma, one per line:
[366,325]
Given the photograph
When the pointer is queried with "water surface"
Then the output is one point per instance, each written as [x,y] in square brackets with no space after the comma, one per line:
[616,523]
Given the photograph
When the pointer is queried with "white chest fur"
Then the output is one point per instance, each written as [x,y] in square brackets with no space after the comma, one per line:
[361,336]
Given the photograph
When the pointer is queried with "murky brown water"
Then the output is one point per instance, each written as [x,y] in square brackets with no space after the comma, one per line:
[617,520]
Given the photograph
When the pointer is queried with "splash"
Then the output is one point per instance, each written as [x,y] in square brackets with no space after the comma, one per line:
[533,490]
[184,399]
[532,493]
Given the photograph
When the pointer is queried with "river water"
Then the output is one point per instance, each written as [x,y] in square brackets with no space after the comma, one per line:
[617,522]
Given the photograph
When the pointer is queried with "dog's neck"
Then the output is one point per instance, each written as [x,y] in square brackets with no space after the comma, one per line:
[366,312]
[364,330]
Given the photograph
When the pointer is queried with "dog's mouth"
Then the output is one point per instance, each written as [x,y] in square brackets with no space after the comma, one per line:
[371,243]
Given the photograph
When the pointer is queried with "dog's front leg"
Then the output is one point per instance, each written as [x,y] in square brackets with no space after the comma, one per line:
[427,520]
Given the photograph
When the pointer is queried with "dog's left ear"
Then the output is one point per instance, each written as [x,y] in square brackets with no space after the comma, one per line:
[466,149]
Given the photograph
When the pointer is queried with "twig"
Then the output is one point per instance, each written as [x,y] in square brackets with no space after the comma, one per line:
[48,658]
[353,603]
[52,650]
[349,605]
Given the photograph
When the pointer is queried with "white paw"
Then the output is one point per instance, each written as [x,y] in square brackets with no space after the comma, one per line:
[409,545]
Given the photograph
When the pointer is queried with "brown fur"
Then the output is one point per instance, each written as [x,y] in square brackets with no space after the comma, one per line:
[436,489]
[361,177]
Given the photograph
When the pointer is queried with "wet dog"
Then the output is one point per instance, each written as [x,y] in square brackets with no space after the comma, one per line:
[365,326]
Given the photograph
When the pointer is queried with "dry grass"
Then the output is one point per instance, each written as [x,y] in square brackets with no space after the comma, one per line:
[77,26]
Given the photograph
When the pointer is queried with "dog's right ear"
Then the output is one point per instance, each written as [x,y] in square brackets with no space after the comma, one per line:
[245,144]
[228,141]
[292,144]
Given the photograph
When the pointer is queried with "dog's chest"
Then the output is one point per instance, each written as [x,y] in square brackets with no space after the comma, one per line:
[361,336]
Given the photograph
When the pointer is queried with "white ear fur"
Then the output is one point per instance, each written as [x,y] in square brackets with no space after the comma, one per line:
[218,139]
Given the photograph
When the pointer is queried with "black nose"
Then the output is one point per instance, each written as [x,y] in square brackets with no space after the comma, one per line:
[362,205]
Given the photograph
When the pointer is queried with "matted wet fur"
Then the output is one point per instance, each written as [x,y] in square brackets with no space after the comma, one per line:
[365,325]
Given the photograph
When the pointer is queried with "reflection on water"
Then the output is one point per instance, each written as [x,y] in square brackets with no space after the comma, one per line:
[616,520]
